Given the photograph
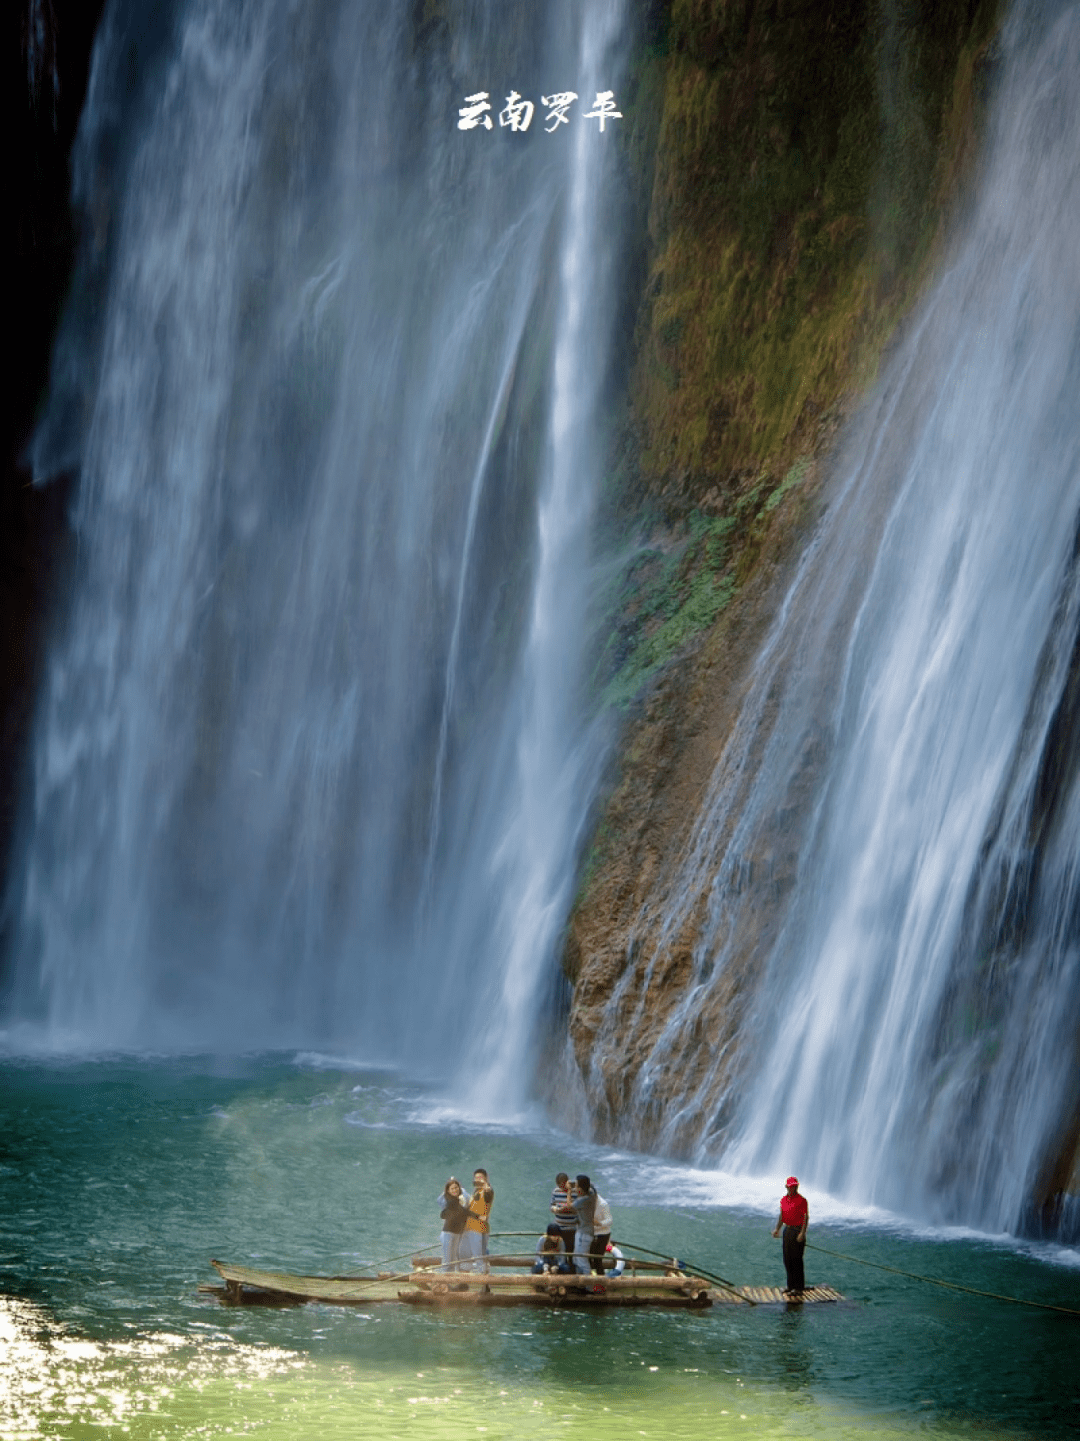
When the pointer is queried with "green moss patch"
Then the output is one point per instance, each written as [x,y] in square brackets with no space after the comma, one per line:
[802,163]
[670,594]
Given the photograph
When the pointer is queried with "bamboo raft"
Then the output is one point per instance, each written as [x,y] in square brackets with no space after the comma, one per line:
[774,1296]
[648,1284]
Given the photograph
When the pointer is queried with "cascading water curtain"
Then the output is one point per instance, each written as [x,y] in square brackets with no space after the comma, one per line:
[885,984]
[310,760]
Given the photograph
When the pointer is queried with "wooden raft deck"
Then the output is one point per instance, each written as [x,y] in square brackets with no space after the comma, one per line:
[774,1296]
[247,1285]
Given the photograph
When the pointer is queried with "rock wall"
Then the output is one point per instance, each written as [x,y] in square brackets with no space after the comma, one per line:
[806,162]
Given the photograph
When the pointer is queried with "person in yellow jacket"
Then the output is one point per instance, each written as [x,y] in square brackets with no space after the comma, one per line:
[474,1241]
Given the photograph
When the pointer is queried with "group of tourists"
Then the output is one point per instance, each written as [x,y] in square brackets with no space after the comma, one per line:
[466,1223]
[577,1238]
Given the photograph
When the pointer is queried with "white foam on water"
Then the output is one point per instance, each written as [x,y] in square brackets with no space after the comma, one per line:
[641,1180]
[328,1061]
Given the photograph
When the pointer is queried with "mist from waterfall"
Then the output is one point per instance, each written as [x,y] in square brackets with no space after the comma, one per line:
[310,761]
[887,861]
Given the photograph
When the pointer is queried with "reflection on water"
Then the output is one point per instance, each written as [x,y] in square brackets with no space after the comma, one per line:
[166,1385]
[118,1181]
[794,1355]
[52,1383]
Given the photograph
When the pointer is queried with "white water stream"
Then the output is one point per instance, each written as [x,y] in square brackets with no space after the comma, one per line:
[889,850]
[310,763]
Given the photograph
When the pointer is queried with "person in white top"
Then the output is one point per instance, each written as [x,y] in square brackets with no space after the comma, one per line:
[619,1259]
[601,1234]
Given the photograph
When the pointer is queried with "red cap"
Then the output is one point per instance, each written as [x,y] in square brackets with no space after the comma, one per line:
[792,1181]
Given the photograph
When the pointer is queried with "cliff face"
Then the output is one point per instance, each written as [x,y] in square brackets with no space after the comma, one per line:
[806,164]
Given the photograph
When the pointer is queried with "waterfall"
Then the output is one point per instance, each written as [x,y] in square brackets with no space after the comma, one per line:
[310,759]
[883,880]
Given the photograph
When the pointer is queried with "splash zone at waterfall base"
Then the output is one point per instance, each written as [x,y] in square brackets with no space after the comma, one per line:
[643,1283]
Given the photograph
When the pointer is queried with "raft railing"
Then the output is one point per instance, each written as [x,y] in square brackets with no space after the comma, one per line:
[633,1264]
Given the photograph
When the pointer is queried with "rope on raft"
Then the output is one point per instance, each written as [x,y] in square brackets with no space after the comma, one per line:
[516,1235]
[400,1275]
[948,1285]
[728,1285]
[660,1255]
[698,1271]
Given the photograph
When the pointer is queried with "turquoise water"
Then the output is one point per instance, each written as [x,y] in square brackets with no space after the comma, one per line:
[119,1179]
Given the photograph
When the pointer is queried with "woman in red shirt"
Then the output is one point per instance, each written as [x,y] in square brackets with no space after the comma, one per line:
[794,1217]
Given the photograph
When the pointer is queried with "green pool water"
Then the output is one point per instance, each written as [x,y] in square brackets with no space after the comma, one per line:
[119,1179]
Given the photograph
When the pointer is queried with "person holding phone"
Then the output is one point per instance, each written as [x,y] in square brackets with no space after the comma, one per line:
[474,1240]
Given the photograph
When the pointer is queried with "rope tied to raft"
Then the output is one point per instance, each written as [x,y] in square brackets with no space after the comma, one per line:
[696,1270]
[672,1261]
[948,1285]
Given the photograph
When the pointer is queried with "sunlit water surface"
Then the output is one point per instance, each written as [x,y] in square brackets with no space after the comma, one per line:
[120,1178]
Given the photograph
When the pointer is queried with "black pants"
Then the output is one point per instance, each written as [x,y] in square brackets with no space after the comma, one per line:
[793,1258]
[597,1247]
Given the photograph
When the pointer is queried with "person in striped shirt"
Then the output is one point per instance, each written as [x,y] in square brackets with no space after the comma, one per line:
[562,1211]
